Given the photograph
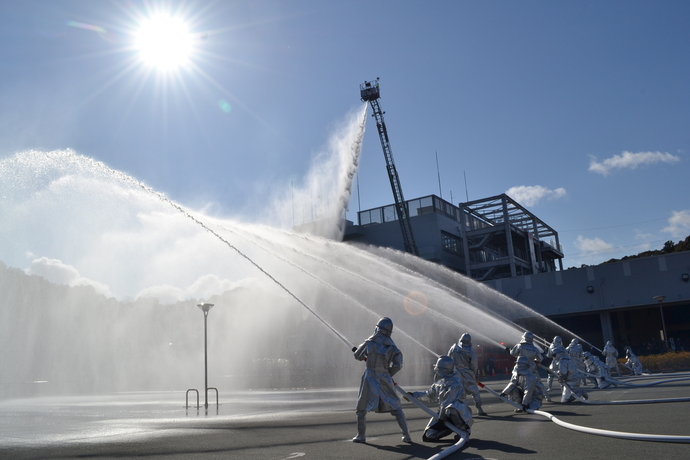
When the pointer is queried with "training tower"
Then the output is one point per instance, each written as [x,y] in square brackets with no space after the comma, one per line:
[370,93]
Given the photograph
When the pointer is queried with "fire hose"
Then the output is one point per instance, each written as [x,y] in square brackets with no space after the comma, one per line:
[600,432]
[641,385]
[597,431]
[623,382]
[463,434]
[622,402]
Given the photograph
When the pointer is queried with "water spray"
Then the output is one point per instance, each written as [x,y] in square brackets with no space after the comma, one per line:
[545,343]
[328,285]
[442,287]
[438,314]
[187,214]
[130,180]
[385,289]
[179,208]
[493,312]
[590,345]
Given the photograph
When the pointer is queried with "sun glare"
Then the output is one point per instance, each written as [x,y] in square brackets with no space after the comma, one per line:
[164,42]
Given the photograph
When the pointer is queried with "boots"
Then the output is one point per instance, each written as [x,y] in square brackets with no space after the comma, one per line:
[400,417]
[361,427]
[480,411]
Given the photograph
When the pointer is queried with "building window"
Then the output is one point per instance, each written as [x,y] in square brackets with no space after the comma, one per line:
[451,243]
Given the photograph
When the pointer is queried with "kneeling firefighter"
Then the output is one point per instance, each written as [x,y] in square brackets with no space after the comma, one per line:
[449,391]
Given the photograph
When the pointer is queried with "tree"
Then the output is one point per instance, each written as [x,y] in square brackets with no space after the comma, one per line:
[669,246]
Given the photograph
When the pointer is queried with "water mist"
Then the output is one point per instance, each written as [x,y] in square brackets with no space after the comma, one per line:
[128,266]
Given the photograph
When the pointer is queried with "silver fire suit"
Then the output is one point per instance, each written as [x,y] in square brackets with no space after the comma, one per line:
[449,392]
[576,357]
[557,342]
[377,390]
[568,376]
[633,363]
[527,349]
[611,355]
[522,387]
[598,370]
[466,363]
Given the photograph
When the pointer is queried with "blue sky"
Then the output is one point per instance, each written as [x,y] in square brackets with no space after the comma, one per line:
[579,110]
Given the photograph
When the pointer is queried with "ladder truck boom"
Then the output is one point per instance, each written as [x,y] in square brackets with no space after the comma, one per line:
[370,93]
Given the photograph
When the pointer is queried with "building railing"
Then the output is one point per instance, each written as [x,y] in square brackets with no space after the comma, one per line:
[421,206]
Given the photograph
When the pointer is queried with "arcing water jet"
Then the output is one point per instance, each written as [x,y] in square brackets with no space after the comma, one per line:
[64,175]
[113,231]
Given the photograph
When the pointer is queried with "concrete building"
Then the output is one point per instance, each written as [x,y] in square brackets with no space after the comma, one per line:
[500,243]
[484,239]
[630,302]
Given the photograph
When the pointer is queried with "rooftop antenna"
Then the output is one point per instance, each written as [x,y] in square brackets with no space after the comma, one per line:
[438,171]
[359,201]
[467,195]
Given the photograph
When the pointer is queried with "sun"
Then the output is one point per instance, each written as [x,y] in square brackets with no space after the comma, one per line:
[164,42]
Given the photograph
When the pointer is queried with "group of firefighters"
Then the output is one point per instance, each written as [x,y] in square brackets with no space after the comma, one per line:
[456,374]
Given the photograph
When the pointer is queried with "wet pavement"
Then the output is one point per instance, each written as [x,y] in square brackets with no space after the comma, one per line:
[309,424]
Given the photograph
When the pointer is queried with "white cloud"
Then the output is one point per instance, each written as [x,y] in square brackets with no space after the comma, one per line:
[630,160]
[530,195]
[58,272]
[642,236]
[203,288]
[679,224]
[112,230]
[592,245]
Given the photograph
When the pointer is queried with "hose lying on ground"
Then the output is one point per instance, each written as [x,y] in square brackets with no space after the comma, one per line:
[640,385]
[630,401]
[616,382]
[613,434]
[649,376]
[454,448]
[597,431]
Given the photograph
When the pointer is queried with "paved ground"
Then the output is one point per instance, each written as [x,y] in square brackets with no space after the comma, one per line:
[281,426]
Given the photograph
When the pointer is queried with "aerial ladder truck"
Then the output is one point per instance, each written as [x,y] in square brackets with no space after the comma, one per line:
[369,91]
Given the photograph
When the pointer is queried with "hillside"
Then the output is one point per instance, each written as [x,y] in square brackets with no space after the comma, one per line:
[669,248]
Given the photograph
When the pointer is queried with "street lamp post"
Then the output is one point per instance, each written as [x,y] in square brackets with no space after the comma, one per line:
[660,298]
[205,307]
